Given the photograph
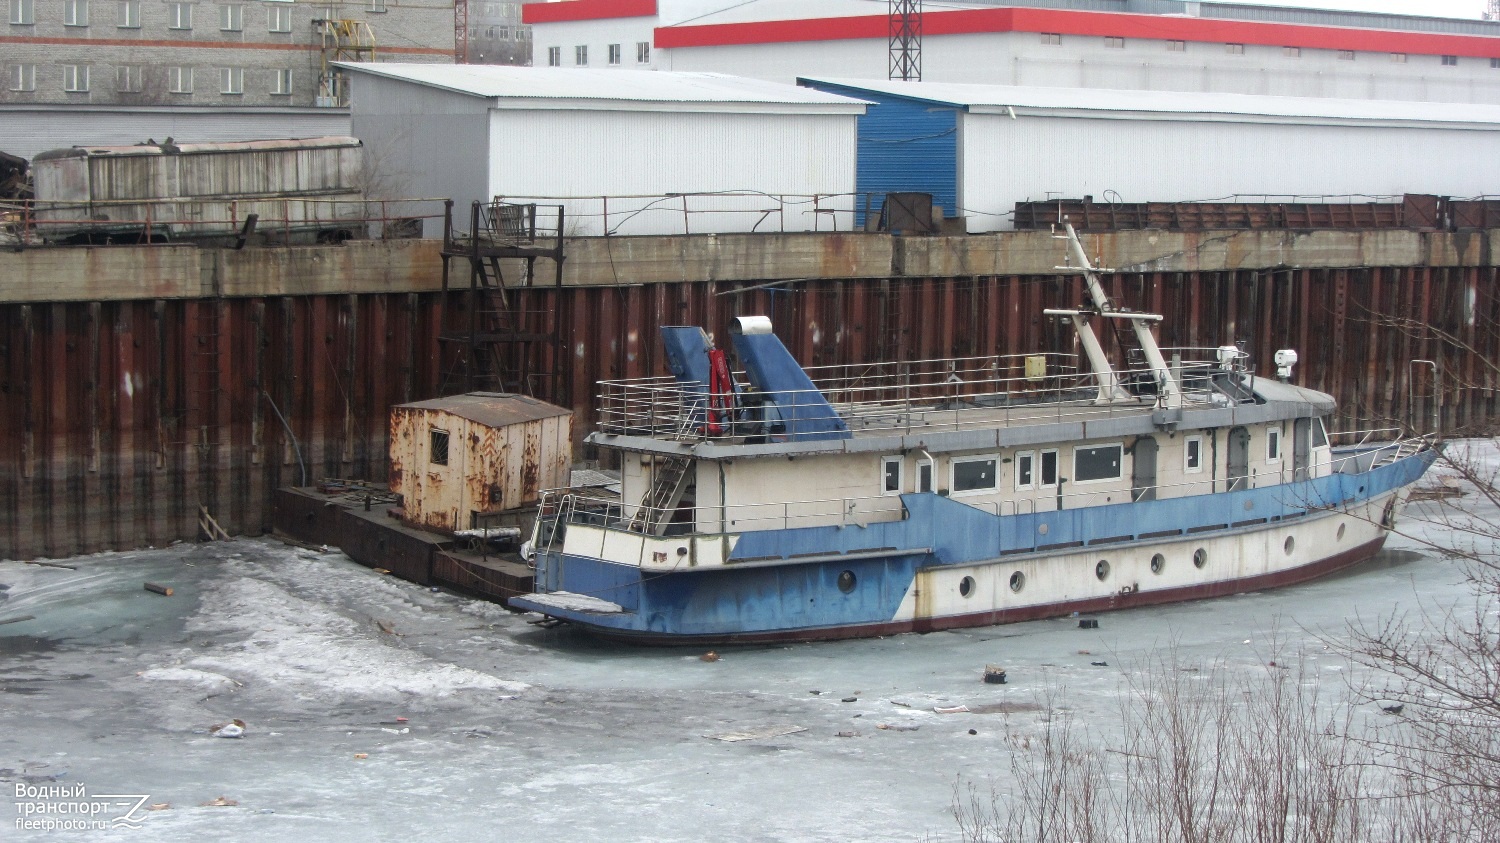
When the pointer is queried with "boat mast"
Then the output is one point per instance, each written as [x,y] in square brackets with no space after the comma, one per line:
[1109,389]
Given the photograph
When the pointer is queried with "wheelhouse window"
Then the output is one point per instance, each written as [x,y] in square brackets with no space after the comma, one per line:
[890,475]
[1319,434]
[1098,463]
[437,452]
[1025,470]
[1273,444]
[1192,454]
[973,474]
[1048,468]
[924,475]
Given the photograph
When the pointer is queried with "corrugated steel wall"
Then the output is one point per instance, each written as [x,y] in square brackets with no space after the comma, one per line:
[591,153]
[118,419]
[906,146]
[1013,160]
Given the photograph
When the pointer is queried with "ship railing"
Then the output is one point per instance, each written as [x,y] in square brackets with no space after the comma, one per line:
[931,395]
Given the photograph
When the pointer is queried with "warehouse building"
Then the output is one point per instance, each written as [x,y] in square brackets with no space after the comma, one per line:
[980,149]
[1128,44]
[624,152]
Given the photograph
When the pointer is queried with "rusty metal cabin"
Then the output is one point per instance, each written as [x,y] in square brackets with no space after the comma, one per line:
[172,191]
[462,461]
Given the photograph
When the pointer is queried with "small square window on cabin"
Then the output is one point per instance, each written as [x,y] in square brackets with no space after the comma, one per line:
[974,475]
[437,452]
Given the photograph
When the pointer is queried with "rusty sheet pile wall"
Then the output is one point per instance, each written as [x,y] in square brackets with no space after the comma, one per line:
[118,418]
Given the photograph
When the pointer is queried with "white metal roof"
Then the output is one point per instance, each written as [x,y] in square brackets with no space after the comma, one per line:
[760,11]
[578,88]
[1109,102]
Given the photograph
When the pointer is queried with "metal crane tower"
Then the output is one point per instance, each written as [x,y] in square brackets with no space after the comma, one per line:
[906,39]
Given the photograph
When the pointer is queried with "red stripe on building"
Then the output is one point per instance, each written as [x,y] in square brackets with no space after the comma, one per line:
[1154,27]
[572,10]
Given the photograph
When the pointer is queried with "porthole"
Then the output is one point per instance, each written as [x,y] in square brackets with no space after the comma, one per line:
[846,581]
[1249,505]
[1017,582]
[1340,535]
[1200,558]
[1102,570]
[1157,563]
[1041,529]
[1289,545]
[966,586]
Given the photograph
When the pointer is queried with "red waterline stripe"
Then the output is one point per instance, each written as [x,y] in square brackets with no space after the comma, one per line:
[1156,27]
[572,10]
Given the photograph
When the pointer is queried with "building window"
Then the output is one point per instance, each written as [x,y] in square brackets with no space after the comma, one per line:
[1235,49]
[1053,38]
[75,12]
[1048,469]
[1176,46]
[1114,43]
[21,14]
[1346,55]
[614,53]
[76,78]
[890,475]
[1398,58]
[179,16]
[1192,455]
[554,56]
[1292,52]
[129,14]
[502,33]
[1097,464]
[973,474]
[1450,61]
[281,82]
[180,80]
[642,52]
[231,17]
[23,77]
[231,80]
[1273,444]
[377,6]
[279,18]
[128,79]
[581,55]
[1025,470]
[1495,64]
[437,452]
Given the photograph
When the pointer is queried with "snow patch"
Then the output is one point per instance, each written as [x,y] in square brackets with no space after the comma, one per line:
[303,646]
[196,678]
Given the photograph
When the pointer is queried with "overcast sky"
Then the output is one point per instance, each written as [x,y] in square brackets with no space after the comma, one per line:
[1443,8]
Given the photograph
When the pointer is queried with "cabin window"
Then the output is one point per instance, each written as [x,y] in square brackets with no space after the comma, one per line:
[1320,436]
[437,452]
[924,475]
[1025,470]
[1192,454]
[1096,464]
[890,476]
[973,474]
[1049,468]
[1273,444]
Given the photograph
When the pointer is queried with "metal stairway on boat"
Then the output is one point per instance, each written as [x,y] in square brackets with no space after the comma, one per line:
[661,501]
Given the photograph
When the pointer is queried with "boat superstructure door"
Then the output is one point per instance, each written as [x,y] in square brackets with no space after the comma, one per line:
[1143,469]
[1301,448]
[1239,459]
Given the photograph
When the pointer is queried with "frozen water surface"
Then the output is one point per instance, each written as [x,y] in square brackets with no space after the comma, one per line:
[549,734]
